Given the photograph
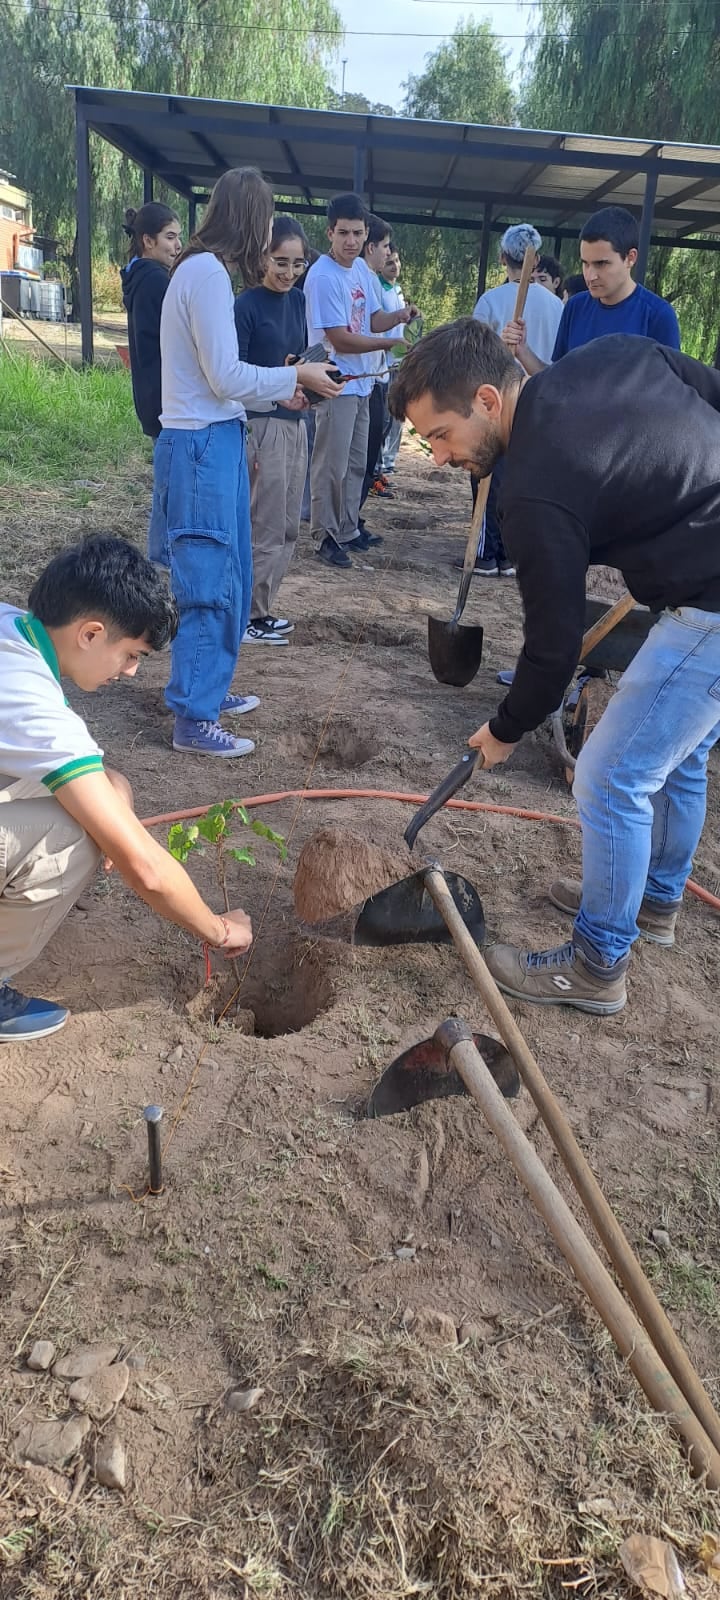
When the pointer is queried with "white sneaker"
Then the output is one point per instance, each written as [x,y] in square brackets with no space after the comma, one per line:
[260,632]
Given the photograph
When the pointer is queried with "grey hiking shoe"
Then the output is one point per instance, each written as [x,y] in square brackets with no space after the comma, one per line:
[656,923]
[562,977]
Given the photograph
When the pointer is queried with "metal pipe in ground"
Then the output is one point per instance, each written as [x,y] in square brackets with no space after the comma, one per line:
[622,1256]
[455,1038]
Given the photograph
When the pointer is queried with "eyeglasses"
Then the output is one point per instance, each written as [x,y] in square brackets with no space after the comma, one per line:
[282,263]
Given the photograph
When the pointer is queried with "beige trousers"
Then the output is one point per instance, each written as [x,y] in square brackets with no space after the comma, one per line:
[337,469]
[277,462]
[46,860]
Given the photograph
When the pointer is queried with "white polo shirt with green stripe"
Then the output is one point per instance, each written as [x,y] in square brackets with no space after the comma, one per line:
[43,742]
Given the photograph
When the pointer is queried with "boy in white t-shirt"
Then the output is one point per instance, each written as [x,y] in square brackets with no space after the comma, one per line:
[543,312]
[344,312]
[95,611]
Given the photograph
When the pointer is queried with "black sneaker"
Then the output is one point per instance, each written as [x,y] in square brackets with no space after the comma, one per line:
[260,632]
[482,568]
[332,553]
[364,540]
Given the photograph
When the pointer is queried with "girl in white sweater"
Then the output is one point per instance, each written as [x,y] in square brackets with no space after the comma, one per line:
[201,478]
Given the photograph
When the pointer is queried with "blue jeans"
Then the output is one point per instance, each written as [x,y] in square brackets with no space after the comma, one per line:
[157,527]
[202,484]
[641,779]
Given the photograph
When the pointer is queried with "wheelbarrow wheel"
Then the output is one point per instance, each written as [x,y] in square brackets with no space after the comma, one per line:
[592,700]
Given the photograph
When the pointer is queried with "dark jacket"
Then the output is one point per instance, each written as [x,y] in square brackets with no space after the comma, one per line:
[614,460]
[144,284]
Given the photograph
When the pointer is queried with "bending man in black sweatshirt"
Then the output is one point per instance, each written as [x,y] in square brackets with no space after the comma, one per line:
[612,457]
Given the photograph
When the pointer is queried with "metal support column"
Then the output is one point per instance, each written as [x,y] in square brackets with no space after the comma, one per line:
[484,249]
[557,246]
[84,256]
[359,170]
[147,186]
[192,215]
[646,222]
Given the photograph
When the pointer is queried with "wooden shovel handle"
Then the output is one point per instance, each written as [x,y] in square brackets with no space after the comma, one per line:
[529,260]
[623,1258]
[605,624]
[632,1341]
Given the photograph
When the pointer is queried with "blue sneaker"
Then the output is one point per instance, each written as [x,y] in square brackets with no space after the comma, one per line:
[208,739]
[240,703]
[22,1019]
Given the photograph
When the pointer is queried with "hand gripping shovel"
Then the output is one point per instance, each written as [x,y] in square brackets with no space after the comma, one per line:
[455,653]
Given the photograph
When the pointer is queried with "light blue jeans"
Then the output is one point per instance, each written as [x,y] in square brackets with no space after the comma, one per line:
[203,491]
[641,779]
[157,526]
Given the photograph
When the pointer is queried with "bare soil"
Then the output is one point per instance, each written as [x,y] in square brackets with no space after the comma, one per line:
[463,1451]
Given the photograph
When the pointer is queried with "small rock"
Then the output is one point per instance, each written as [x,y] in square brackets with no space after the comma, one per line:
[243,1399]
[473,1333]
[53,1442]
[495,1241]
[405,1252]
[41,1356]
[175,1056]
[100,1393]
[661,1239]
[110,1461]
[430,1325]
[85,1359]
[136,1361]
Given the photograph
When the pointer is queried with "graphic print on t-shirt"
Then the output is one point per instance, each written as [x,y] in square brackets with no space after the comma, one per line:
[357,312]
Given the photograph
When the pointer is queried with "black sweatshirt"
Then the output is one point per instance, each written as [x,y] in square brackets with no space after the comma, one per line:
[144,285]
[270,326]
[614,460]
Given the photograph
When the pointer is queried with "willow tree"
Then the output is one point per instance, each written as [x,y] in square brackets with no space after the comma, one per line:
[646,69]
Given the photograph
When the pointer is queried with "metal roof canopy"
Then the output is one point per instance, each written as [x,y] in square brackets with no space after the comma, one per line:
[442,174]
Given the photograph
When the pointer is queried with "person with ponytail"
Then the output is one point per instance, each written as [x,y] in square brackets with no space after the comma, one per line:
[201,476]
[154,234]
[270,322]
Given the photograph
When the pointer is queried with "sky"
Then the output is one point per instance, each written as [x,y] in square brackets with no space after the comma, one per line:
[377,66]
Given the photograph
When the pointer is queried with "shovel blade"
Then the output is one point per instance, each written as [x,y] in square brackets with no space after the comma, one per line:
[421,1073]
[405,914]
[455,652]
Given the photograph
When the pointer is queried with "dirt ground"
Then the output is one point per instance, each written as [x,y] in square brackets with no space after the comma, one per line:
[441,1413]
[24,334]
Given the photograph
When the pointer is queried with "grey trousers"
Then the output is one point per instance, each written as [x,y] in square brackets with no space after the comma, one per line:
[338,465]
[46,860]
[277,455]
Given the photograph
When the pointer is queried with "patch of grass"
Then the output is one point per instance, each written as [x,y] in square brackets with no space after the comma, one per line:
[58,424]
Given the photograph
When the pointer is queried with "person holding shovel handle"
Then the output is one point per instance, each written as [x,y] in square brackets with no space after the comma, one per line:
[632,481]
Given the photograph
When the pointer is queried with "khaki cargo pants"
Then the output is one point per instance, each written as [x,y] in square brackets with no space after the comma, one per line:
[46,860]
[277,455]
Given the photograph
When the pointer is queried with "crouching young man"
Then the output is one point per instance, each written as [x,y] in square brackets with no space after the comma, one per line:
[612,456]
[94,612]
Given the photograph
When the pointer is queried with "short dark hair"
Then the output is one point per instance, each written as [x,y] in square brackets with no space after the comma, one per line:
[575,284]
[616,225]
[348,206]
[378,229]
[450,364]
[285,228]
[552,267]
[111,579]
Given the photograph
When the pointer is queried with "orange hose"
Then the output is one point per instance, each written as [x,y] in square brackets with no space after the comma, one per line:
[707,898]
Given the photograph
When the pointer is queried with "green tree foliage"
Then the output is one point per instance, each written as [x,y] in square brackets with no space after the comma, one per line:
[263,50]
[647,69]
[465,80]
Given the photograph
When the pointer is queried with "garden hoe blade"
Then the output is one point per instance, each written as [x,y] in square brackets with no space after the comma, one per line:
[422,1073]
[405,913]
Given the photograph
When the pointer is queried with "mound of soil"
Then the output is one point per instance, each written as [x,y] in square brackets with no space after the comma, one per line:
[338,870]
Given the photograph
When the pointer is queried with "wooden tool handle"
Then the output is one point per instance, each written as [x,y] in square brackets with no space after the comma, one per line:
[605,624]
[529,260]
[481,500]
[624,1260]
[631,1340]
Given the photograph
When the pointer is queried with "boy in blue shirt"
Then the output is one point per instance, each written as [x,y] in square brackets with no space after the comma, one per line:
[612,302]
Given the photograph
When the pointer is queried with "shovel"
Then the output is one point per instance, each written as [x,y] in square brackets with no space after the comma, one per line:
[405,913]
[455,653]
[424,1073]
